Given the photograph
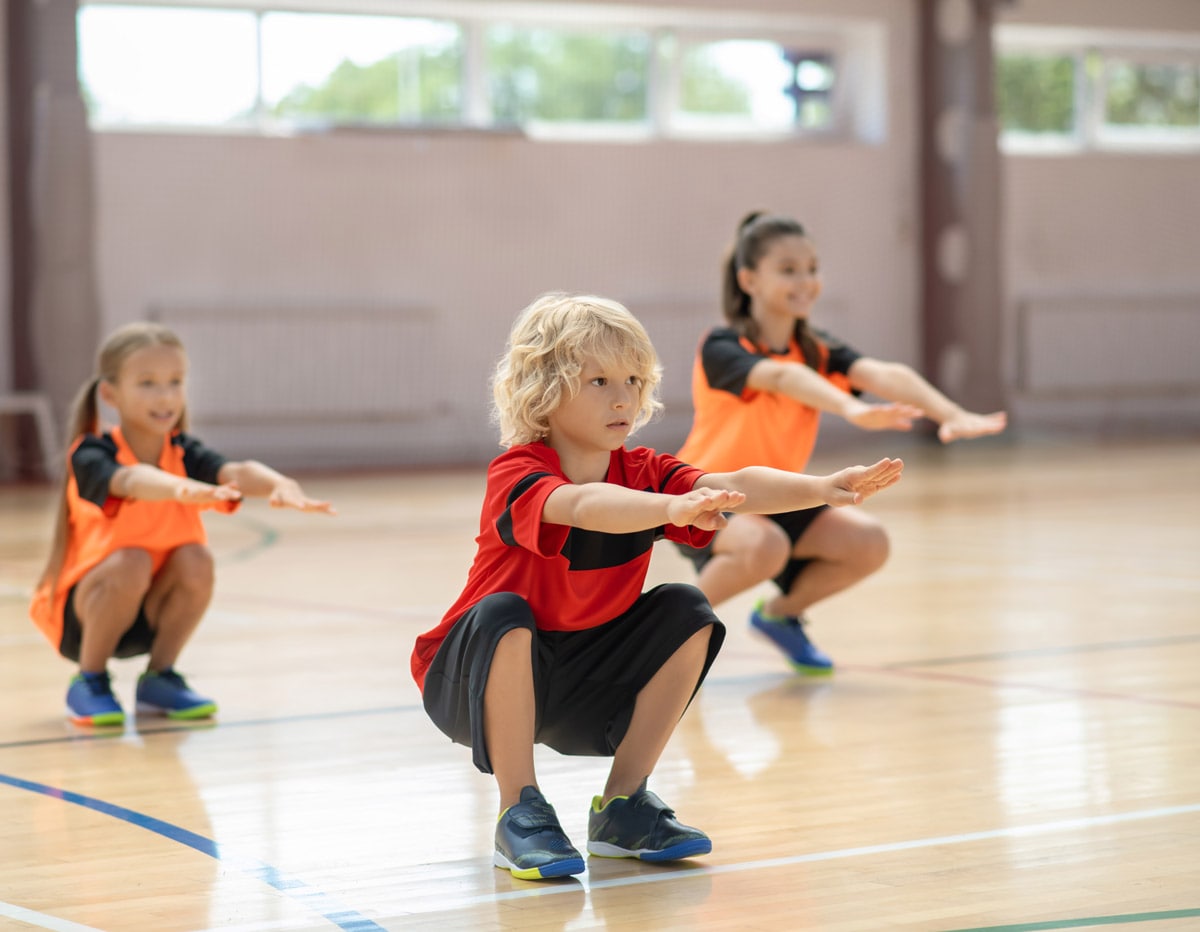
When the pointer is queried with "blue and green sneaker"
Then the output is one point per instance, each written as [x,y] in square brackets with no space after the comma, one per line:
[167,693]
[641,826]
[90,700]
[789,636]
[531,844]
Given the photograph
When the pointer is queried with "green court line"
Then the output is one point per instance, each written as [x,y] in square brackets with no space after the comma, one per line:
[1084,922]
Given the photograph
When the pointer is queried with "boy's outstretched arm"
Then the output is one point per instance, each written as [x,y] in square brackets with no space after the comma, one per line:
[259,479]
[614,509]
[771,491]
[898,382]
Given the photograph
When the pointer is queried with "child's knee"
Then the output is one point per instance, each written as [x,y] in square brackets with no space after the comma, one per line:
[128,569]
[192,567]
[874,548]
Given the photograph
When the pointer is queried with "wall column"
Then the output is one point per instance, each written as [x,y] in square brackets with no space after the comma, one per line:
[962,306]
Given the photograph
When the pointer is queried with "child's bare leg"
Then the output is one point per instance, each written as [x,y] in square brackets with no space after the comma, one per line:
[659,707]
[845,546]
[177,600]
[508,715]
[749,550]
[107,600]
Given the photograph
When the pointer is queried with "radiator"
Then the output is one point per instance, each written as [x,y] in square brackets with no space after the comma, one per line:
[307,365]
[1108,346]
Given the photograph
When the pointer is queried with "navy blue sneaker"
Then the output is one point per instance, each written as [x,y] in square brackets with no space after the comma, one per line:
[531,844]
[788,635]
[641,826]
[90,700]
[167,693]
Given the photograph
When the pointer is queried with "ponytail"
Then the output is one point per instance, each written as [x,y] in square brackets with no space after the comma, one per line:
[83,419]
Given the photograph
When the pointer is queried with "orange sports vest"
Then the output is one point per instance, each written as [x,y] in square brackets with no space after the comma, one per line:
[95,532]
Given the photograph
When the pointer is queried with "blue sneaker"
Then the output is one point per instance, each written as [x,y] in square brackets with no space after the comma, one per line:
[531,844]
[788,635]
[90,700]
[167,693]
[641,826]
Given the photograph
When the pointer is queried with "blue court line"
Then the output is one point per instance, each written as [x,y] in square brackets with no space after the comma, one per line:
[1088,921]
[319,902]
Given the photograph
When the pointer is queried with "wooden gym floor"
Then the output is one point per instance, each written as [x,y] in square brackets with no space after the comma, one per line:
[1011,741]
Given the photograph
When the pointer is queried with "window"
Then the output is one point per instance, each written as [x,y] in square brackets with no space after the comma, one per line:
[1056,89]
[545,69]
[361,69]
[539,75]
[168,66]
[752,86]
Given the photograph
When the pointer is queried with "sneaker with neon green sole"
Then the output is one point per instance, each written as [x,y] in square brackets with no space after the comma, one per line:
[788,634]
[641,826]
[90,700]
[530,842]
[167,693]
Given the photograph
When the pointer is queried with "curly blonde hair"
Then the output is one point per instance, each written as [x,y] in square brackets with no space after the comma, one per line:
[547,349]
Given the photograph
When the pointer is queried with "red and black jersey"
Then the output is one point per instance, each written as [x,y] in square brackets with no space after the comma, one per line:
[571,578]
[99,524]
[735,426]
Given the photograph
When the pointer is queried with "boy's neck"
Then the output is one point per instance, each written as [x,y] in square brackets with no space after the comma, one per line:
[582,466]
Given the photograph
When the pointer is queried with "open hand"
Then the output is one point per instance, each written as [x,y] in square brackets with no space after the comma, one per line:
[194,492]
[855,484]
[966,424]
[703,508]
[889,416]
[288,494]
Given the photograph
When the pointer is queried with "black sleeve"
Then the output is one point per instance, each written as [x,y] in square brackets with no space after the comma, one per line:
[93,463]
[841,356]
[726,362]
[200,462]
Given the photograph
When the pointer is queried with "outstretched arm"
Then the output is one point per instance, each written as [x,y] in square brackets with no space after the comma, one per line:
[770,491]
[804,384]
[615,509]
[898,382]
[146,483]
[258,479]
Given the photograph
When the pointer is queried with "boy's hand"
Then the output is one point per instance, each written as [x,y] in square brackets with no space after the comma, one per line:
[288,494]
[855,484]
[890,416]
[966,424]
[194,492]
[703,508]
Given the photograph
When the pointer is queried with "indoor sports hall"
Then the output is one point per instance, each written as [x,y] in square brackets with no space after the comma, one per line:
[340,207]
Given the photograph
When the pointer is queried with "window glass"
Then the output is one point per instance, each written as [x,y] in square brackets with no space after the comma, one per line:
[1151,94]
[745,84]
[1035,93]
[371,69]
[550,75]
[168,65]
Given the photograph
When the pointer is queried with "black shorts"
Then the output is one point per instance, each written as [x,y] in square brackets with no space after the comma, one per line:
[794,524]
[138,639]
[585,682]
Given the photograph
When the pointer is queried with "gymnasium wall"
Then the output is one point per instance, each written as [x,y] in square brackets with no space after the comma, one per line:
[1101,279]
[427,244]
[455,232]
